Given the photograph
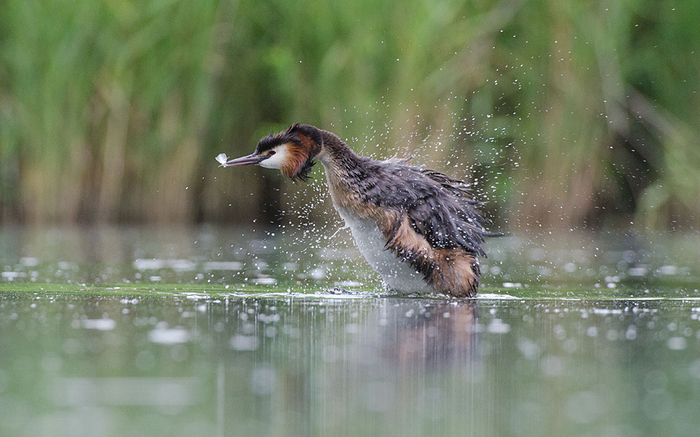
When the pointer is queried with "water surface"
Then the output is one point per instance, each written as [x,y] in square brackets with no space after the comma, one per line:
[205,332]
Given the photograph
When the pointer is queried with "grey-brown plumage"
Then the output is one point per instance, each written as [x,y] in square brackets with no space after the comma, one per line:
[415,226]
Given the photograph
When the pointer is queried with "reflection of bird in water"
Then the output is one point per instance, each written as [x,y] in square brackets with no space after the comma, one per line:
[445,334]
[416,227]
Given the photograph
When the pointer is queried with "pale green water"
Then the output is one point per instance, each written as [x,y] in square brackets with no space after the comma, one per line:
[137,332]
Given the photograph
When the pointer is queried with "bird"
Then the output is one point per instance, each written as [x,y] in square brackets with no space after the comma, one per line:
[420,229]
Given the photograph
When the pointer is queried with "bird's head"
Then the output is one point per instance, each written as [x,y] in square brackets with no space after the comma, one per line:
[292,152]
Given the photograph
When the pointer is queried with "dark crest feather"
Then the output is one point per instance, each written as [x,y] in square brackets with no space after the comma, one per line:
[273,140]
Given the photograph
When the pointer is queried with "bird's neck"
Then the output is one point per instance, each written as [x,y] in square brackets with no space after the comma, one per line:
[343,168]
[336,155]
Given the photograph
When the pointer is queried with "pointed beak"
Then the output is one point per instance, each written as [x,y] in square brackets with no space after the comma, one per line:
[244,160]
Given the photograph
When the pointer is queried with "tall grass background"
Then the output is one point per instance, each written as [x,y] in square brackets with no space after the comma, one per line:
[566,114]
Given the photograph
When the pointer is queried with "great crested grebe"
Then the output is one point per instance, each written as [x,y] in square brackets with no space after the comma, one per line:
[417,228]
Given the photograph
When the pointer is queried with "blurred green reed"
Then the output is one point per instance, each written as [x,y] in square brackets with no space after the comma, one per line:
[565,113]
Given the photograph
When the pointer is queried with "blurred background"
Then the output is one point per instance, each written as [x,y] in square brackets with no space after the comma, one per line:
[565,114]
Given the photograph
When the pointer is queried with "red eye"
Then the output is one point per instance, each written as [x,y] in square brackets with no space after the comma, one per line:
[272,152]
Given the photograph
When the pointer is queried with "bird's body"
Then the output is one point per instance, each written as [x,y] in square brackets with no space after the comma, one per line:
[418,228]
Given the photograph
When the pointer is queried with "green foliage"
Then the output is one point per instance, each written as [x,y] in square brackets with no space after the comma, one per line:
[564,113]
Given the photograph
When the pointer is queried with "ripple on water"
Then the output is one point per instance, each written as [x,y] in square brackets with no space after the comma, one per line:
[99,324]
[164,335]
[244,342]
